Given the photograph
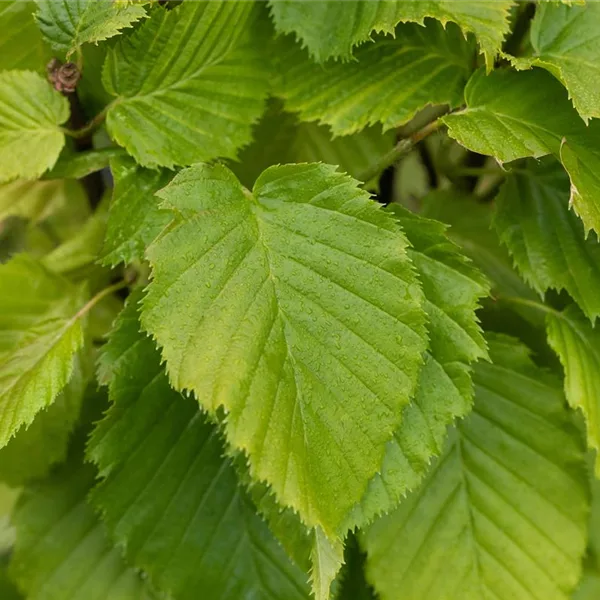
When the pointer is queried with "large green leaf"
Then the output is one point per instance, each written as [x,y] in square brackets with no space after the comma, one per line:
[189,83]
[577,344]
[565,40]
[502,514]
[168,495]
[68,24]
[62,551]
[545,238]
[297,310]
[513,115]
[452,289]
[134,219]
[21,45]
[30,115]
[331,28]
[40,332]
[387,83]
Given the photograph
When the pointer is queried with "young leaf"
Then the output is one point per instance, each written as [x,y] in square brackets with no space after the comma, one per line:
[30,115]
[168,495]
[513,115]
[327,557]
[62,550]
[21,47]
[330,28]
[40,332]
[565,40]
[545,238]
[195,95]
[577,344]
[387,83]
[503,512]
[134,219]
[297,310]
[68,24]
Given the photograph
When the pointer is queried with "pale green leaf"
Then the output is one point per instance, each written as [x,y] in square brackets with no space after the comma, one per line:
[503,513]
[565,40]
[387,83]
[76,165]
[294,307]
[134,219]
[327,557]
[331,28]
[577,344]
[21,45]
[8,498]
[189,83]
[513,115]
[545,238]
[62,551]
[168,496]
[589,588]
[30,115]
[68,24]
[453,289]
[40,332]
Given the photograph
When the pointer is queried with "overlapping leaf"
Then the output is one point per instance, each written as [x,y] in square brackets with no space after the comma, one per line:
[513,115]
[388,83]
[331,28]
[296,309]
[502,514]
[168,495]
[189,84]
[30,115]
[545,238]
[134,219]
[21,45]
[68,24]
[565,40]
[40,332]
[62,550]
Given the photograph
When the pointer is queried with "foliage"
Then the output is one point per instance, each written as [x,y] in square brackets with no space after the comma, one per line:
[299,299]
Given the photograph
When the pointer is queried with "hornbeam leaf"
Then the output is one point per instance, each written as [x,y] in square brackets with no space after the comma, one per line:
[297,310]
[40,332]
[189,84]
[577,344]
[30,115]
[513,115]
[503,513]
[134,219]
[545,238]
[565,40]
[68,24]
[331,28]
[387,83]
[62,550]
[21,47]
[168,494]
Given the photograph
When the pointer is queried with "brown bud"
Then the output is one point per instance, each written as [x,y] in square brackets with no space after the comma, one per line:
[64,77]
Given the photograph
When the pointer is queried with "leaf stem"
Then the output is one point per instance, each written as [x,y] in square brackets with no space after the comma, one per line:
[402,148]
[111,289]
[529,303]
[91,126]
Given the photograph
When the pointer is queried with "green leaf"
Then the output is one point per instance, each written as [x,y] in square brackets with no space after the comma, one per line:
[68,24]
[327,557]
[387,83]
[279,138]
[502,514]
[513,115]
[577,344]
[545,238]
[34,450]
[168,495]
[30,115]
[8,498]
[353,585]
[195,95]
[332,28]
[40,332]
[23,47]
[565,40]
[134,219]
[297,310]
[589,588]
[72,165]
[62,550]
[452,289]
